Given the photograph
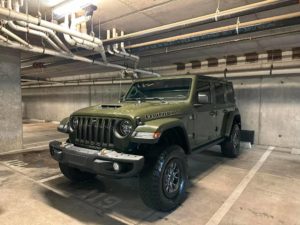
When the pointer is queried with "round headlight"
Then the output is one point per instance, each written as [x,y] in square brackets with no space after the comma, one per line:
[74,123]
[125,128]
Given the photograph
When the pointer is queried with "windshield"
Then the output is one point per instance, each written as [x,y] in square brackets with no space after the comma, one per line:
[169,89]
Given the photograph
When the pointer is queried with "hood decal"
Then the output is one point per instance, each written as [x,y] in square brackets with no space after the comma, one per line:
[161,115]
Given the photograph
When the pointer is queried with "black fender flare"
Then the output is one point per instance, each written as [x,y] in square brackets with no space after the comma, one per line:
[231,118]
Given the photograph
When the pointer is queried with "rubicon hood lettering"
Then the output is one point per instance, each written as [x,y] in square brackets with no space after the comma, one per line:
[161,115]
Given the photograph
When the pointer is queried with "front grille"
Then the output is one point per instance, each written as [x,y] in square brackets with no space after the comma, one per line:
[94,132]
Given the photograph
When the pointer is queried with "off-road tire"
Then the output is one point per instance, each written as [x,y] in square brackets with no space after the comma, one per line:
[75,174]
[153,180]
[231,146]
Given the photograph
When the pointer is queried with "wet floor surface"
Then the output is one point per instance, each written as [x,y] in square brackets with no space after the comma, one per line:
[33,191]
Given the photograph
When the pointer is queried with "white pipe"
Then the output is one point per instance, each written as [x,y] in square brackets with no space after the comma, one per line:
[47,51]
[134,57]
[33,32]
[48,31]
[72,41]
[83,28]
[230,13]
[216,30]
[12,35]
[39,28]
[85,44]
[233,75]
[30,31]
[12,15]
[5,40]
[122,53]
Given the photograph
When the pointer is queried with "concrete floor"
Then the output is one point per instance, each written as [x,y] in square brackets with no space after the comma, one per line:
[260,187]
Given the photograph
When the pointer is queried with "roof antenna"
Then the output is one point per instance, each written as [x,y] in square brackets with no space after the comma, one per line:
[225,73]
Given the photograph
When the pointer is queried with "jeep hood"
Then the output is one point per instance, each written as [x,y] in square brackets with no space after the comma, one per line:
[144,110]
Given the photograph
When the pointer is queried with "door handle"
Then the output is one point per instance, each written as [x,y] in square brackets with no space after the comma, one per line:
[213,113]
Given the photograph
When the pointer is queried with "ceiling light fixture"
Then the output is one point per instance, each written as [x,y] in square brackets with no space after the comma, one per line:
[71,6]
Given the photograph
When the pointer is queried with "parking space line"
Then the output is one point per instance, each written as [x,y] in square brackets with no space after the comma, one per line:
[65,194]
[222,211]
[23,150]
[50,178]
[47,141]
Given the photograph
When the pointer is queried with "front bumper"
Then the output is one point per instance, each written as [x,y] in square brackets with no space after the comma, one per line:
[98,162]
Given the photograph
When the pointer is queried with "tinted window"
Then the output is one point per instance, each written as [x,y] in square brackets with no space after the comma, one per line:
[220,93]
[230,94]
[169,89]
[204,87]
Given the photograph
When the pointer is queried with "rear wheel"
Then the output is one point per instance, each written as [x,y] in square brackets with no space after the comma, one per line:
[75,174]
[163,181]
[231,146]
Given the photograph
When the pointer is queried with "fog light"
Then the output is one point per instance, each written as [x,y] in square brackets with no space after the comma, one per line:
[116,166]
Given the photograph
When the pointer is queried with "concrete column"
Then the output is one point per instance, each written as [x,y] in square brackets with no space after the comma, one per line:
[11,129]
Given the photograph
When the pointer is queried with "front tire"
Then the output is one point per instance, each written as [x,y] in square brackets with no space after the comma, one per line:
[75,174]
[163,181]
[231,146]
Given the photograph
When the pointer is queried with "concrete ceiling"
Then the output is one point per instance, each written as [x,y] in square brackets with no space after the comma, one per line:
[136,15]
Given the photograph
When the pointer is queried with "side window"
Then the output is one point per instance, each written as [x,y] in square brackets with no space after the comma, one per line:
[230,93]
[204,87]
[220,93]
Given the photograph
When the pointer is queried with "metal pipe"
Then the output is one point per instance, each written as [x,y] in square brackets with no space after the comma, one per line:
[15,37]
[27,30]
[36,27]
[230,75]
[238,28]
[83,43]
[5,39]
[12,15]
[242,39]
[48,31]
[122,53]
[40,50]
[210,18]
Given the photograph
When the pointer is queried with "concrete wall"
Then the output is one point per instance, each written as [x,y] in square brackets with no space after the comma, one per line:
[270,106]
[10,100]
[56,103]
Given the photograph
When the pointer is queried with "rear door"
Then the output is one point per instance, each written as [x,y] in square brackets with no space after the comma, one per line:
[204,116]
[220,107]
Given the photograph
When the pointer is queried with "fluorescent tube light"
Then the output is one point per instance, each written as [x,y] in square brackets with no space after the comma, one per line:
[71,6]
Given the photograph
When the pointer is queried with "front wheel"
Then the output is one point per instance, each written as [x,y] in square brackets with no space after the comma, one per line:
[231,146]
[163,182]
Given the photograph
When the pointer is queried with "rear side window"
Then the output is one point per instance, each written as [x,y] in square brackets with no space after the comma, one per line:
[220,93]
[230,93]
[204,87]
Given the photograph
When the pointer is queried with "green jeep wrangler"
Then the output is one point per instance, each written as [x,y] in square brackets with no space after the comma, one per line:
[149,134]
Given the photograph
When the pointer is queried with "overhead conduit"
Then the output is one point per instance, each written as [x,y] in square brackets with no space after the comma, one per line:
[11,15]
[80,42]
[235,29]
[46,31]
[210,18]
[28,30]
[115,51]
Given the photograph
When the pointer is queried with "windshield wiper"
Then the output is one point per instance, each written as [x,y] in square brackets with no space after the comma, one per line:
[161,99]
